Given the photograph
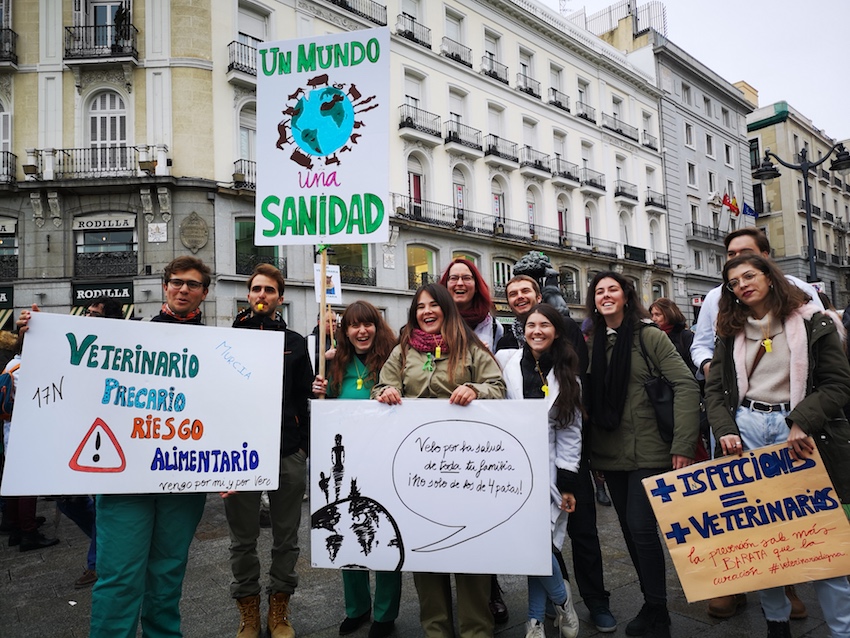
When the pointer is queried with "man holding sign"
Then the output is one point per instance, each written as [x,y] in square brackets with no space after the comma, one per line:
[265,295]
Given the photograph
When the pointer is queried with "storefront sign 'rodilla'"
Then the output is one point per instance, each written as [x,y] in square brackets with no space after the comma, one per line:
[323,139]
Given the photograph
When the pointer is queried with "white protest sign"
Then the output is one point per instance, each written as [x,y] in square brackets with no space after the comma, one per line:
[323,139]
[332,283]
[105,406]
[429,486]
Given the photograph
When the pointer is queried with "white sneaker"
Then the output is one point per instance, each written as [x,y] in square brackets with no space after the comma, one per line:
[534,629]
[566,620]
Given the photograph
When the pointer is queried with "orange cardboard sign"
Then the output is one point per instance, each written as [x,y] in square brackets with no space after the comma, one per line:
[743,523]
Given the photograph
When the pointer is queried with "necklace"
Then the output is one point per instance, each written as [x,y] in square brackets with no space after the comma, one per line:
[545,387]
[360,374]
[767,342]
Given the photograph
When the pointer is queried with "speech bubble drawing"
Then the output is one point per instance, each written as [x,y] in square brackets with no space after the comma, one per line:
[472,481]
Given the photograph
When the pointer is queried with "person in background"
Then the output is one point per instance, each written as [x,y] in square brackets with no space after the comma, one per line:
[768,329]
[626,443]
[523,294]
[439,357]
[547,368]
[364,345]
[667,316]
[331,321]
[472,296]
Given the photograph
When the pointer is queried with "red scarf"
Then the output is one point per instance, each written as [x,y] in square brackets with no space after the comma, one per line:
[422,341]
[166,309]
[473,316]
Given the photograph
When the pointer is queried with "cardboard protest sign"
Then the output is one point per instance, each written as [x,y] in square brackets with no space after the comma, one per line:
[429,486]
[332,283]
[740,524]
[323,139]
[105,406]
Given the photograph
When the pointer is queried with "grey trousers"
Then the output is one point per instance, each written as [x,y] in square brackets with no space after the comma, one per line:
[243,517]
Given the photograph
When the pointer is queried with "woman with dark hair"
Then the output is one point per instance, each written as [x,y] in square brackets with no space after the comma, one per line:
[439,357]
[778,375]
[472,296]
[364,342]
[546,367]
[667,316]
[625,439]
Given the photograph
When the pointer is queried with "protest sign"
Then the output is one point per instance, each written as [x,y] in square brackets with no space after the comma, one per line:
[429,486]
[323,139]
[105,406]
[332,284]
[740,524]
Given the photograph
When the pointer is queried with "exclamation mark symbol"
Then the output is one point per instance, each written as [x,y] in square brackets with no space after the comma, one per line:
[96,457]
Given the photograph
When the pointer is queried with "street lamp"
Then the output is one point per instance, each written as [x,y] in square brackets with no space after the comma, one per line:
[767,171]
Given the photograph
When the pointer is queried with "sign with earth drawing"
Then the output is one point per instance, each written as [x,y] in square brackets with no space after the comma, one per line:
[323,139]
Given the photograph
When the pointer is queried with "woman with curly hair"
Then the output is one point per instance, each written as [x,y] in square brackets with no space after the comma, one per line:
[364,341]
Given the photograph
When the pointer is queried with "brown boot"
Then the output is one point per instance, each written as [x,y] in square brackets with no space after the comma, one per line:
[726,606]
[798,607]
[249,616]
[279,625]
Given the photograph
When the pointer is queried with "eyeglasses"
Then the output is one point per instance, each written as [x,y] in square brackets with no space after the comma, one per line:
[269,290]
[467,279]
[177,284]
[733,284]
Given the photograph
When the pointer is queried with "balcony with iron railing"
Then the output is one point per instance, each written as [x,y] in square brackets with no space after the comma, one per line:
[245,174]
[836,182]
[101,42]
[661,259]
[527,84]
[594,179]
[411,117]
[368,9]
[654,199]
[613,123]
[246,262]
[530,158]
[625,189]
[8,48]
[456,51]
[8,167]
[824,175]
[498,147]
[836,260]
[462,134]
[585,112]
[564,170]
[417,279]
[633,253]
[559,100]
[242,58]
[101,264]
[816,211]
[496,70]
[801,205]
[650,141]
[8,267]
[828,217]
[96,162]
[698,231]
[357,275]
[407,27]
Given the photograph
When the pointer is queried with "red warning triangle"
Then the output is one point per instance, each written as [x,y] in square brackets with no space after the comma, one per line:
[97,456]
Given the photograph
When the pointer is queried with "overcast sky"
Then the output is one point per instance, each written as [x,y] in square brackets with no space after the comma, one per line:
[787,49]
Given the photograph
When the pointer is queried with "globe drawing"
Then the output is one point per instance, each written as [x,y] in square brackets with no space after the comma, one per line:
[322,121]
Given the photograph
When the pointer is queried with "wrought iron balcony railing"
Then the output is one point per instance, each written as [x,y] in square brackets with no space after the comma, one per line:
[8,46]
[407,27]
[368,9]
[495,70]
[527,84]
[246,262]
[585,112]
[100,264]
[8,167]
[593,178]
[243,57]
[495,145]
[245,174]
[704,232]
[535,159]
[456,51]
[558,99]
[462,134]
[112,161]
[359,276]
[412,117]
[8,267]
[562,168]
[105,41]
[650,141]
[625,189]
[417,279]
[654,198]
[613,123]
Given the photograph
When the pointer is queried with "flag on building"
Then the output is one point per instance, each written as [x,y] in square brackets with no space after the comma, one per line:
[749,211]
[731,204]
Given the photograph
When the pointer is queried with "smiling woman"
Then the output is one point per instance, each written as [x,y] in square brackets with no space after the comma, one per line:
[472,296]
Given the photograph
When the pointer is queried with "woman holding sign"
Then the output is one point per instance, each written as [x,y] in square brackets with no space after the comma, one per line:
[365,343]
[439,357]
[546,367]
[779,374]
[627,441]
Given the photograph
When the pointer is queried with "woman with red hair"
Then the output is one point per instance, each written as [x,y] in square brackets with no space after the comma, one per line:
[472,297]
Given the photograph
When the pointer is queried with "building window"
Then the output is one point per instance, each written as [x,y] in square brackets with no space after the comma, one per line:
[709,145]
[412,89]
[706,105]
[502,273]
[353,262]
[252,26]
[729,156]
[726,119]
[415,185]
[758,199]
[491,45]
[248,132]
[105,252]
[454,26]
[712,182]
[692,175]
[107,133]
[457,105]
[459,190]
[569,285]
[563,215]
[497,196]
[659,290]
[247,254]
[694,214]
[718,264]
[730,188]
[421,266]
[686,93]
[697,260]
[689,134]
[755,155]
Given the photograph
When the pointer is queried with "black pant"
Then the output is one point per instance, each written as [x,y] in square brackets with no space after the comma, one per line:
[584,538]
[640,531]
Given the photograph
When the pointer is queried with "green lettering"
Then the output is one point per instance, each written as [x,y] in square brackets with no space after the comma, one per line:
[336,214]
[373,50]
[358,53]
[78,352]
[289,218]
[373,212]
[307,216]
[271,200]
[355,214]
[341,54]
[323,210]
[263,60]
[325,56]
[284,65]
[307,58]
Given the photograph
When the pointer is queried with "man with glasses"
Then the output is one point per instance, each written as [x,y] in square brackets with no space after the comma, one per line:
[738,242]
[143,539]
[265,295]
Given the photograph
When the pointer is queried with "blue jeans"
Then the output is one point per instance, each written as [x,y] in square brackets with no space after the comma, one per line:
[759,429]
[543,588]
[80,509]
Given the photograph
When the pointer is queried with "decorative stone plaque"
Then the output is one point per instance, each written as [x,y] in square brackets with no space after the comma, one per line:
[194,232]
